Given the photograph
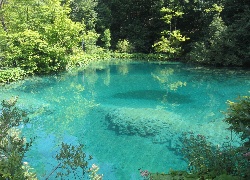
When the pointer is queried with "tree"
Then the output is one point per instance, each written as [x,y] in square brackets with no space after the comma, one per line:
[106,39]
[136,21]
[171,39]
[225,40]
[84,11]
[238,116]
[40,35]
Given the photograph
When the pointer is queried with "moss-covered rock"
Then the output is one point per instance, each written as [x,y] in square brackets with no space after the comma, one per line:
[162,126]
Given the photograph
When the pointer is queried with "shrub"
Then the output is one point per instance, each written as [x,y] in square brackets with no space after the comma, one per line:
[124,46]
[11,74]
[90,39]
[238,116]
[12,146]
[207,159]
[106,39]
[30,52]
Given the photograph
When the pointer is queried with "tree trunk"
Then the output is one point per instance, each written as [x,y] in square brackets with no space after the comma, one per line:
[2,18]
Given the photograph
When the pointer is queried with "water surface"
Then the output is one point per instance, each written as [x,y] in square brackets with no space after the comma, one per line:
[129,115]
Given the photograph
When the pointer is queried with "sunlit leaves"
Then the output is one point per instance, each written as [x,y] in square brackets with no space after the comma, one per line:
[40,35]
[11,74]
[170,13]
[84,10]
[123,45]
[170,43]
[215,8]
[106,38]
[90,38]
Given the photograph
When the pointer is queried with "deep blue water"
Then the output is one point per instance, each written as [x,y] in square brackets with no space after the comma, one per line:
[129,115]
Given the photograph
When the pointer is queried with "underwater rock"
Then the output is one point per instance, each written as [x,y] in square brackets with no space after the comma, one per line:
[35,108]
[144,122]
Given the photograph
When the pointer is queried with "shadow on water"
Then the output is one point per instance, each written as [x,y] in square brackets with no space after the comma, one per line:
[155,95]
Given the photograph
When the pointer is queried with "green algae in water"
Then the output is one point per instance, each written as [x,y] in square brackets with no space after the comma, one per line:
[128,115]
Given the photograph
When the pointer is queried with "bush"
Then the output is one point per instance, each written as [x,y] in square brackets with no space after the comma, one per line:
[238,116]
[90,39]
[30,52]
[106,39]
[207,159]
[11,74]
[12,146]
[124,46]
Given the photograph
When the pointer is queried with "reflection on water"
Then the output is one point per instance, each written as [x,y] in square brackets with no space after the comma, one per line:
[165,76]
[128,114]
[155,95]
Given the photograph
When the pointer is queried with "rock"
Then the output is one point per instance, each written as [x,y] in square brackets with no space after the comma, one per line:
[143,122]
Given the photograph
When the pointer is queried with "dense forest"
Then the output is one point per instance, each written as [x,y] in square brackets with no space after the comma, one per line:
[44,36]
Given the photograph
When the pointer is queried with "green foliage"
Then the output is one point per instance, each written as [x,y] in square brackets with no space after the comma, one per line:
[28,51]
[172,13]
[11,74]
[170,42]
[84,10]
[211,161]
[218,30]
[225,38]
[238,116]
[138,22]
[214,8]
[208,51]
[106,39]
[12,146]
[183,175]
[40,35]
[70,159]
[90,39]
[124,46]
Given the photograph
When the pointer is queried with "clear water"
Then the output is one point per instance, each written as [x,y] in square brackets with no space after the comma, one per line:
[94,107]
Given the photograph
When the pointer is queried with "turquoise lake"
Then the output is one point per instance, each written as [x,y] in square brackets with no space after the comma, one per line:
[129,115]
